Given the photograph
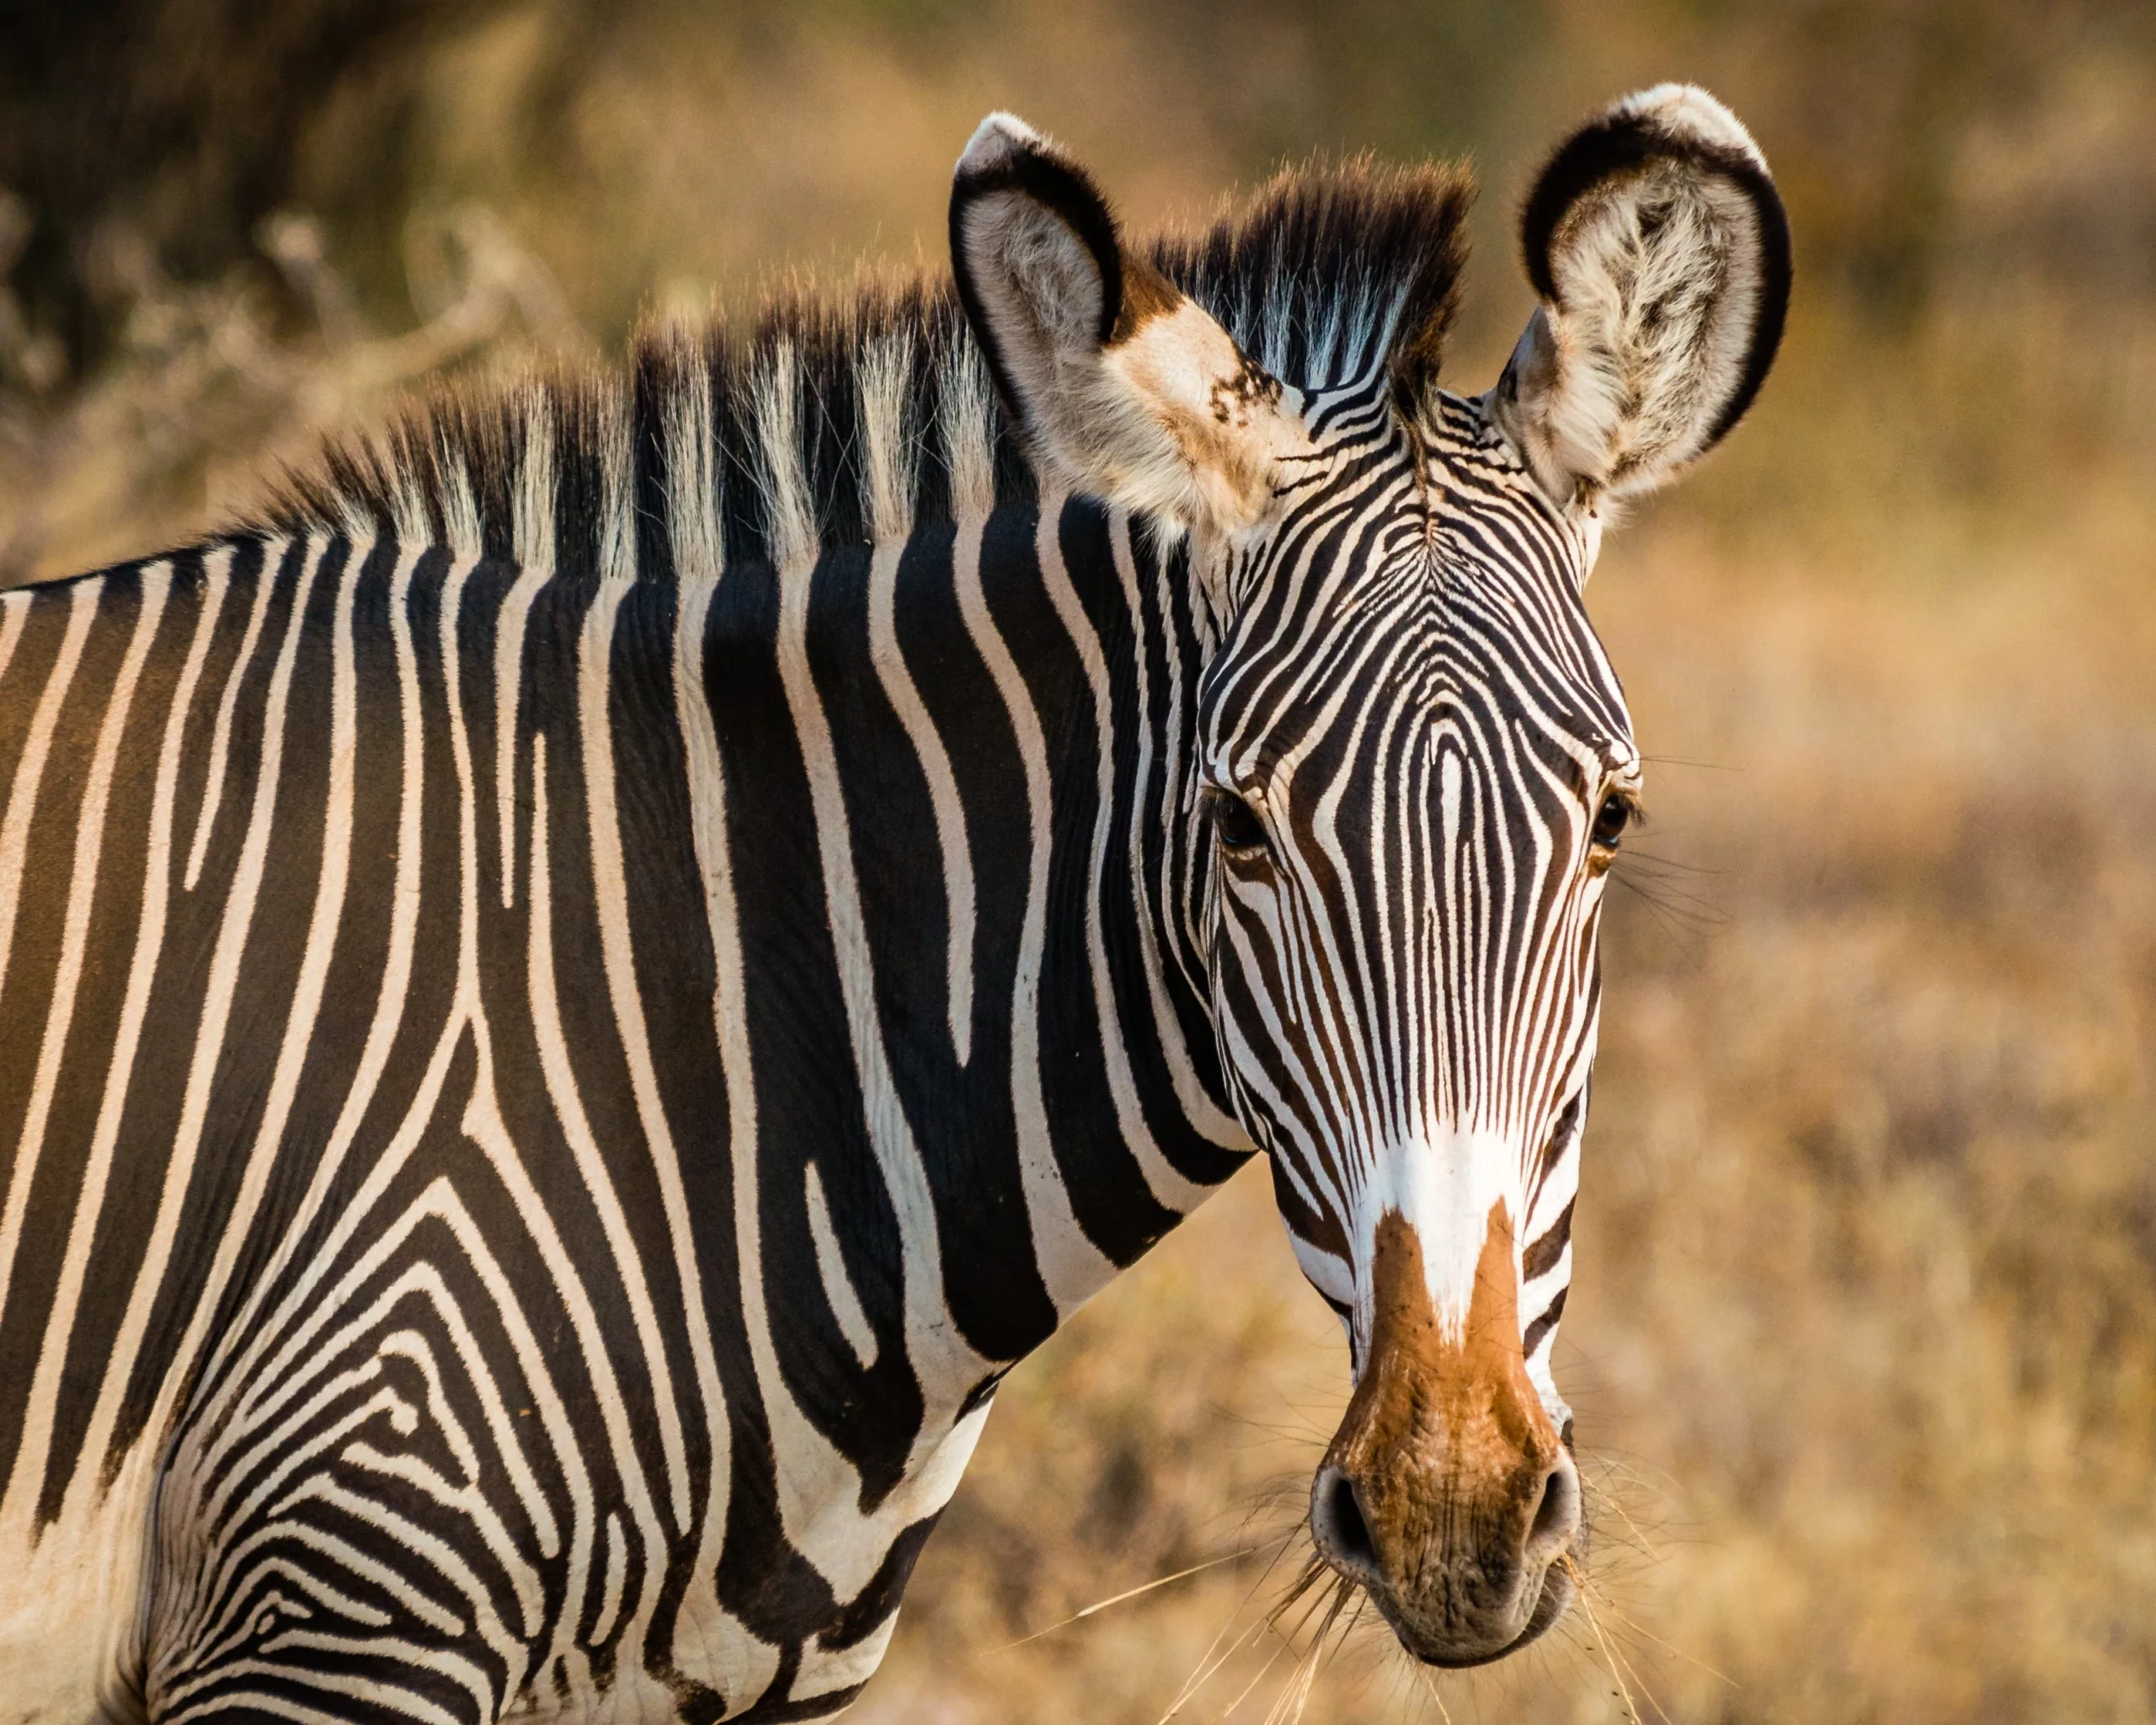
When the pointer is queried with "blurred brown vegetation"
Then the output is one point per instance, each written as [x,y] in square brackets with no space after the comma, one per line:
[1864,1337]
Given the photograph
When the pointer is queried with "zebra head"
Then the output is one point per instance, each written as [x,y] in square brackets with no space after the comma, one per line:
[1412,763]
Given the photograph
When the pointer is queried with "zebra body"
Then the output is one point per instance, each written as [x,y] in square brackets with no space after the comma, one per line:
[546,1105]
[571,1002]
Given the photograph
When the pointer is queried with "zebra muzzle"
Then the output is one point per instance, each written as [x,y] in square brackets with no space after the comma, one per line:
[1447,1494]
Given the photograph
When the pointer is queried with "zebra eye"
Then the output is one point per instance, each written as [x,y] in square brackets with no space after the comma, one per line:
[1237,824]
[1611,819]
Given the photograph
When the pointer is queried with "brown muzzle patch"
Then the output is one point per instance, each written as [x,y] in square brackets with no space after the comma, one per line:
[1447,1492]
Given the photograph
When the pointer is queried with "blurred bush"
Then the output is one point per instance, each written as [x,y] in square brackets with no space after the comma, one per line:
[1978,177]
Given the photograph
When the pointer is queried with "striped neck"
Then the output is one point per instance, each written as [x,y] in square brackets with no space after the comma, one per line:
[963,761]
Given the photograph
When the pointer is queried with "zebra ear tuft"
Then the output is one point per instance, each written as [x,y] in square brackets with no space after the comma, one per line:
[1122,387]
[1660,251]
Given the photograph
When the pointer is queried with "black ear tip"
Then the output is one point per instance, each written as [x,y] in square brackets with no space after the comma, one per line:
[1597,151]
[997,142]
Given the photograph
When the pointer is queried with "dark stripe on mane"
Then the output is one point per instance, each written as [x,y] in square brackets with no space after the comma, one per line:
[1324,264]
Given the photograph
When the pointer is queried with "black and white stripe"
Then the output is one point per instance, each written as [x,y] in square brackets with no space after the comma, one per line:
[589,1274]
[570,1001]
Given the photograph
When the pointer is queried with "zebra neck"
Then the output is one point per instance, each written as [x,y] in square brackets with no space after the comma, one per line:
[955,833]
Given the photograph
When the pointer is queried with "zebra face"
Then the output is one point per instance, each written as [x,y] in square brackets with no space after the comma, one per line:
[1419,768]
[1412,767]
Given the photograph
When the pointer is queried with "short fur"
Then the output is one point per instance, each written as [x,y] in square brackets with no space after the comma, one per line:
[1448,1445]
[1331,269]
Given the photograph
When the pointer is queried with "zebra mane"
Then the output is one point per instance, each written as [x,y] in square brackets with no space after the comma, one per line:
[839,421]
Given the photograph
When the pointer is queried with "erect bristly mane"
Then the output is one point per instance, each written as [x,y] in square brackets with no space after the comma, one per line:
[842,421]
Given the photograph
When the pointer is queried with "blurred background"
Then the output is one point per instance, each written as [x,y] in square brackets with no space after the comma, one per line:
[1863,1338]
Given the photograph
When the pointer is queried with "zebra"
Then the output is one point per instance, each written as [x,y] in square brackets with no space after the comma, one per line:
[576,989]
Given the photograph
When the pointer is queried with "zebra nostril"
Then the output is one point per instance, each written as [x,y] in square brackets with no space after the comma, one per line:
[1343,1535]
[1557,1515]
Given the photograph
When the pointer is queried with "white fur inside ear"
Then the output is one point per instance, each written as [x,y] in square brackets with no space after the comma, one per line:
[1056,278]
[1659,272]
[1039,288]
[1023,258]
[1659,282]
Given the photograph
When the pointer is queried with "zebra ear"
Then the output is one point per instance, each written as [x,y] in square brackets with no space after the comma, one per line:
[1659,250]
[1121,385]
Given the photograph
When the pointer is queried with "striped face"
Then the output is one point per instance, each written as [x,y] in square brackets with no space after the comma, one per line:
[1417,765]
[1413,761]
